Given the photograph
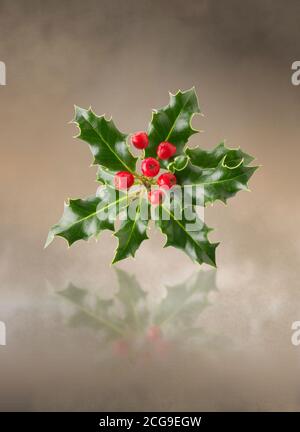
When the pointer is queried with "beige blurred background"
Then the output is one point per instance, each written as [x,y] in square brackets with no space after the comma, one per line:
[122,57]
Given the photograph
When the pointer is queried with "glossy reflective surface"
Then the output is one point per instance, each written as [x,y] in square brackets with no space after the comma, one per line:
[119,344]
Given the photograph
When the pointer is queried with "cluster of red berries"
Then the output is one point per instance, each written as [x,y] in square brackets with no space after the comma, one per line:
[150,168]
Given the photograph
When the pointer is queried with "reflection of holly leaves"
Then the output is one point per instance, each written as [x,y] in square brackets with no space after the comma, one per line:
[130,294]
[91,312]
[185,301]
[95,312]
[182,306]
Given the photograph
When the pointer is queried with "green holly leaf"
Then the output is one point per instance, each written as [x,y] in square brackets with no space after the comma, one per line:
[215,175]
[105,176]
[179,163]
[132,233]
[186,231]
[108,145]
[211,158]
[173,122]
[86,218]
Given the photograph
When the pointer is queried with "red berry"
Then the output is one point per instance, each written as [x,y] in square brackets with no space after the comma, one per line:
[167,180]
[150,167]
[165,150]
[156,196]
[123,180]
[140,140]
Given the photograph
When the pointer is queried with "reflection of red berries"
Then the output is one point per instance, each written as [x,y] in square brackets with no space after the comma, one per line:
[140,140]
[156,196]
[123,180]
[165,150]
[121,348]
[166,180]
[154,333]
[150,167]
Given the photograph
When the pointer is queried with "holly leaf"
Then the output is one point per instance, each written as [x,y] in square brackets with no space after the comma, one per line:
[215,175]
[105,176]
[179,163]
[211,158]
[108,145]
[186,231]
[86,218]
[132,233]
[173,122]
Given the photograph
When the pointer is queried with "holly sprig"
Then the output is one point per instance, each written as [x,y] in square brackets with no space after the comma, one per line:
[169,173]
